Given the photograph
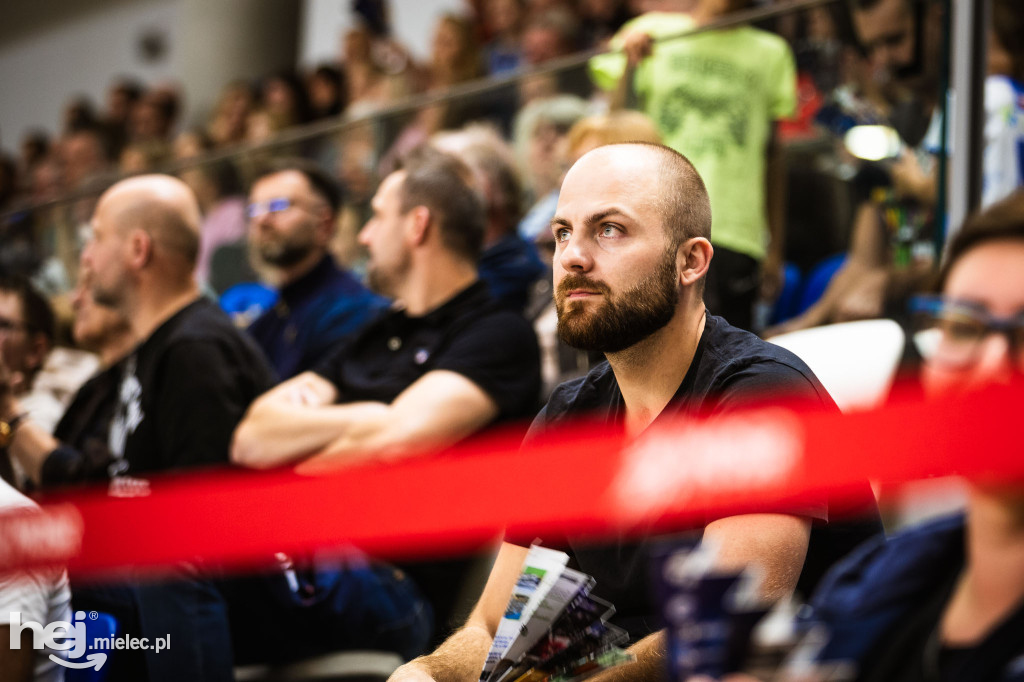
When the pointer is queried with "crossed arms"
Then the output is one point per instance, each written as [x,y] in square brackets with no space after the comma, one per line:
[298,418]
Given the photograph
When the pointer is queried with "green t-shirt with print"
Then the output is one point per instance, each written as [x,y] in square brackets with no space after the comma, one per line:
[714,97]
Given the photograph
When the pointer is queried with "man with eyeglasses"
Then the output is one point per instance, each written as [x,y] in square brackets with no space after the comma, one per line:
[292,214]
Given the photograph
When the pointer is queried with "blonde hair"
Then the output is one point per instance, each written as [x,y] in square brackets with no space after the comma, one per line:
[613,128]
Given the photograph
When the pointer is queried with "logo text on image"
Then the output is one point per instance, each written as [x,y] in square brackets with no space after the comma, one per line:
[71,637]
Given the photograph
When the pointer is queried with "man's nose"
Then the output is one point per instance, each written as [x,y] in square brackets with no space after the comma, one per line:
[576,255]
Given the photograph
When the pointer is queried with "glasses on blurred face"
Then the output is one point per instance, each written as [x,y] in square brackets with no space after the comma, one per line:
[261,208]
[950,333]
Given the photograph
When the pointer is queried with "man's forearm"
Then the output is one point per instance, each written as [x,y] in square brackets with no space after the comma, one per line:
[276,433]
[459,659]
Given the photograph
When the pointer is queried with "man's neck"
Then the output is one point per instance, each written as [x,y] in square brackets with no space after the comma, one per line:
[650,372]
[151,309]
[294,273]
[992,584]
[430,284]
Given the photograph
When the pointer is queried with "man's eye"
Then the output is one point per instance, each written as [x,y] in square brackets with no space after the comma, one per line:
[561,235]
[610,231]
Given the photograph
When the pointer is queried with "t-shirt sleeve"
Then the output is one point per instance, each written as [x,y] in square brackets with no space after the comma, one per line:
[329,366]
[499,354]
[205,391]
[606,69]
[767,383]
[773,382]
[782,93]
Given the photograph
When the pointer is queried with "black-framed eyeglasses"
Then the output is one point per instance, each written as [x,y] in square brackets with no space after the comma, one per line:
[261,208]
[950,332]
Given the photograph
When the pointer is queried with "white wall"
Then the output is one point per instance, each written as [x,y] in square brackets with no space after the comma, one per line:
[42,70]
[325,21]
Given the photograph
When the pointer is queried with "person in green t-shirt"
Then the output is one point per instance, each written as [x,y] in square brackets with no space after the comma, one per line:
[716,96]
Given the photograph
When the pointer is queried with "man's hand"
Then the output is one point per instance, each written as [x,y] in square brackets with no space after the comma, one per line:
[637,46]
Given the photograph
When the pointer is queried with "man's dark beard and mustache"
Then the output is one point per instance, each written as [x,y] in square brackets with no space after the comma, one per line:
[623,321]
[284,253]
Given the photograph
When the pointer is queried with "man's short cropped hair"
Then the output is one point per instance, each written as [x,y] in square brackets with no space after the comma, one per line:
[444,184]
[323,185]
[35,308]
[684,202]
[1002,220]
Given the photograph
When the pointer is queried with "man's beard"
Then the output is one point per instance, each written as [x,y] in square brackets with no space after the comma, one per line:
[285,253]
[620,322]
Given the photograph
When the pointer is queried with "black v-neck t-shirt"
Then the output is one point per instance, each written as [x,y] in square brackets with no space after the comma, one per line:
[731,369]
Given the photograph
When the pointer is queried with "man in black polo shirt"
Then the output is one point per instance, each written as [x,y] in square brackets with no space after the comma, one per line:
[631,233]
[444,363]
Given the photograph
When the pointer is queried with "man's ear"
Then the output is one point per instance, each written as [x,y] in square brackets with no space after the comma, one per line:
[140,249]
[418,228]
[692,260]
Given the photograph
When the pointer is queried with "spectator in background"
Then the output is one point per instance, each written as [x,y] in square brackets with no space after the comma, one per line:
[455,58]
[180,394]
[440,367]
[509,265]
[84,156]
[79,113]
[503,25]
[284,97]
[327,92]
[39,596]
[904,44]
[81,452]
[218,189]
[27,330]
[548,35]
[540,131]
[945,601]
[122,96]
[227,123]
[35,147]
[293,208]
[701,92]
[366,81]
[1003,169]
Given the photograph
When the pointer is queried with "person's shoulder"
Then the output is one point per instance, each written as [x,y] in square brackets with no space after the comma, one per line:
[883,571]
[733,349]
[203,331]
[201,319]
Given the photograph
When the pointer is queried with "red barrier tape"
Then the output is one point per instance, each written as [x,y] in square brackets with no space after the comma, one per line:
[579,481]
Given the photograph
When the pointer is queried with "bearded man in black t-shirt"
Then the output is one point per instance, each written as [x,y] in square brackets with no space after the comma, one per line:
[632,243]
